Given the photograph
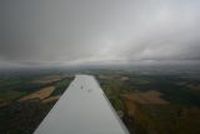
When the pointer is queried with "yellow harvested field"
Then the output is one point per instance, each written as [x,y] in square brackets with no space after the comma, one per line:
[47,79]
[124,78]
[50,99]
[149,97]
[3,103]
[41,94]
[194,87]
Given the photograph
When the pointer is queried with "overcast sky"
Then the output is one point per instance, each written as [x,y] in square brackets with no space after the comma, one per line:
[99,31]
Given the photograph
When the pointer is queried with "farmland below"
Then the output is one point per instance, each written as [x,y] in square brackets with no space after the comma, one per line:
[154,103]
[148,100]
[25,99]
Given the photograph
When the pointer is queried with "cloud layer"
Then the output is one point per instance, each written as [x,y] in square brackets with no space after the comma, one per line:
[77,31]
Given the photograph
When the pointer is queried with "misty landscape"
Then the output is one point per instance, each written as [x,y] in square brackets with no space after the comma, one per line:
[144,54]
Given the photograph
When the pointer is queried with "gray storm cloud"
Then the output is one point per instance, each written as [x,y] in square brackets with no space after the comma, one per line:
[82,31]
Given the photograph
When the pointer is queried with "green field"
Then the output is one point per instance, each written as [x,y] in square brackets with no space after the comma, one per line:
[22,117]
[180,116]
[148,103]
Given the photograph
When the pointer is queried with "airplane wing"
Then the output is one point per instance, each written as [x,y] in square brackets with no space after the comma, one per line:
[82,109]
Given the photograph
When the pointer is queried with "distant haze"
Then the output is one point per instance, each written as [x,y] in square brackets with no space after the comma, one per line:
[62,32]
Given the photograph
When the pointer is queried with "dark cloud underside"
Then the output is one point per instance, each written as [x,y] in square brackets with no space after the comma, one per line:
[82,31]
